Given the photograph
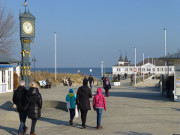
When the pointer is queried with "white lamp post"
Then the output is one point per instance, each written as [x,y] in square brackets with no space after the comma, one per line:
[55,54]
[135,65]
[143,65]
[165,50]
[102,68]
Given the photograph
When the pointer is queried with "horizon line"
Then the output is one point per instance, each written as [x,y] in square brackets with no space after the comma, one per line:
[71,67]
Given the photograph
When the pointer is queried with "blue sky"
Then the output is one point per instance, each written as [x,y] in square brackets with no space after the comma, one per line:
[91,31]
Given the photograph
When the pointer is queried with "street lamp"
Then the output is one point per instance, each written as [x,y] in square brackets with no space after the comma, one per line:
[34,60]
[165,50]
[102,68]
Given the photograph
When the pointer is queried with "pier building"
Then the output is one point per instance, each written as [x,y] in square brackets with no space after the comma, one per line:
[148,66]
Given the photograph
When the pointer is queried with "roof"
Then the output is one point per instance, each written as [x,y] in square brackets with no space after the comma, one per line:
[125,64]
[26,15]
[126,59]
[120,58]
[171,56]
[154,61]
[5,65]
[4,59]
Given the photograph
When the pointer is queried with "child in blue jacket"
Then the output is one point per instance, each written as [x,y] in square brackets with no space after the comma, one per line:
[71,97]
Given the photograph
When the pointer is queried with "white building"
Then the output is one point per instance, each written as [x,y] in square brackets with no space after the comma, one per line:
[6,73]
[150,65]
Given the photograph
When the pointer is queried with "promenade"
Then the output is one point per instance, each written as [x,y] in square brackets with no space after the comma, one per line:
[137,110]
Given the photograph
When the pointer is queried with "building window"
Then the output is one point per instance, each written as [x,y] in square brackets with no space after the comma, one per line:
[161,69]
[158,69]
[3,76]
[118,69]
[153,69]
[170,69]
[126,69]
[130,69]
[139,69]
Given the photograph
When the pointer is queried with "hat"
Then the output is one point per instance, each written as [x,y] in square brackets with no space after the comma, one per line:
[71,91]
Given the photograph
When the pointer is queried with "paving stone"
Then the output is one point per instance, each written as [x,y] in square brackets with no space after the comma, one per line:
[138,110]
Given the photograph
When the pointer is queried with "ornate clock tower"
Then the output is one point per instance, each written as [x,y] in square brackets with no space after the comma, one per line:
[27,35]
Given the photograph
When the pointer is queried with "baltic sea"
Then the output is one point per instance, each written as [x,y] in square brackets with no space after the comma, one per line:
[95,72]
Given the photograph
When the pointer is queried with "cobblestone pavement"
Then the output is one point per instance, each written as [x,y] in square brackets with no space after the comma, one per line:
[130,111]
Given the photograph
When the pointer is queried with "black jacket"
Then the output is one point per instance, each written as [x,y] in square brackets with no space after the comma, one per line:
[19,98]
[106,87]
[83,95]
[34,103]
[91,79]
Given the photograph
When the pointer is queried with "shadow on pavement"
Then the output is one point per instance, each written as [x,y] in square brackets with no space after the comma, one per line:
[155,89]
[177,109]
[11,131]
[65,123]
[132,133]
[54,121]
[8,106]
[140,95]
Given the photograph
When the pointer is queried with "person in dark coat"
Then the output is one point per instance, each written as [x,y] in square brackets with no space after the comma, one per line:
[82,101]
[19,99]
[85,79]
[106,86]
[119,77]
[103,79]
[168,87]
[125,76]
[34,105]
[90,79]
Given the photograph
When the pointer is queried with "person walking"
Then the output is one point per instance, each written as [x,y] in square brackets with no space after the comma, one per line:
[19,99]
[125,76]
[99,102]
[71,97]
[119,77]
[132,79]
[34,106]
[82,101]
[107,86]
[85,79]
[90,79]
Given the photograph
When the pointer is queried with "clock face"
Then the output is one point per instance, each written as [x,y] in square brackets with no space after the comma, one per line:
[28,27]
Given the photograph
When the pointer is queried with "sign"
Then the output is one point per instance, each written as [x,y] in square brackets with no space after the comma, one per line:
[135,69]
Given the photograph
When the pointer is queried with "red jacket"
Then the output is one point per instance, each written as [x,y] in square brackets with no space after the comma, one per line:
[99,100]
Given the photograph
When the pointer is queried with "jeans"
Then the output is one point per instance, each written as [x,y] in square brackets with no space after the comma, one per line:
[90,84]
[83,117]
[22,117]
[99,114]
[72,113]
[33,124]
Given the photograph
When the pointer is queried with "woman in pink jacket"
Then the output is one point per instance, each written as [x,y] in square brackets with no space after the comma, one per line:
[99,102]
